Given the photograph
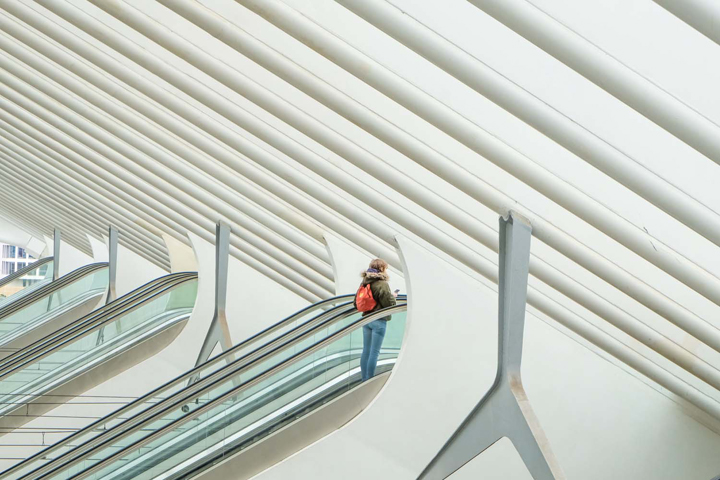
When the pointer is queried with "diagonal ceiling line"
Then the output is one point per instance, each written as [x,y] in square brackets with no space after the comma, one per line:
[148,247]
[41,83]
[216,129]
[80,217]
[21,147]
[466,132]
[143,166]
[300,78]
[119,182]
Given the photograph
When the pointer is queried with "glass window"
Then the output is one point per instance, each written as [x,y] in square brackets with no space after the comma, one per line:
[22,253]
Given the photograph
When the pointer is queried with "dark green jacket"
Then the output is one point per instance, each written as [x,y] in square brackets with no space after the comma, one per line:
[380,290]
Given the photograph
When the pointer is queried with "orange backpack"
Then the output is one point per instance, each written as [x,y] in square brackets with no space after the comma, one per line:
[364,300]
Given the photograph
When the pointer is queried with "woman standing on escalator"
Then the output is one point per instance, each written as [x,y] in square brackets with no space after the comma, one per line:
[376,277]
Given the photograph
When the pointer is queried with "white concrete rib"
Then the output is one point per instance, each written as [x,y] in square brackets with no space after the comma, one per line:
[112,138]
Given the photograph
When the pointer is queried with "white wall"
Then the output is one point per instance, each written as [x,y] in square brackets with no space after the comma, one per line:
[347,262]
[253,302]
[182,257]
[14,235]
[99,249]
[134,271]
[602,422]
[70,257]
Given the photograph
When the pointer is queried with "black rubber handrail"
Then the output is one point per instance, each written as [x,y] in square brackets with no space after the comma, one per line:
[45,290]
[92,316]
[184,378]
[23,271]
[225,396]
[89,328]
[346,303]
[303,328]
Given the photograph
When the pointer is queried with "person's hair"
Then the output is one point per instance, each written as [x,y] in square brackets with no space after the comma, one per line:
[379,265]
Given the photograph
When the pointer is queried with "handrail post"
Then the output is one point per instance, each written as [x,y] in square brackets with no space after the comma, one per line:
[219,330]
[56,254]
[113,235]
[505,409]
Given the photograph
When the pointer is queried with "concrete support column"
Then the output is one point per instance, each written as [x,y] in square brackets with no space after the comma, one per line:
[505,410]
[219,331]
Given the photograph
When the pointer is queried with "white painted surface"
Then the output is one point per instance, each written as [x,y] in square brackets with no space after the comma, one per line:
[134,271]
[601,421]
[499,462]
[253,301]
[644,36]
[70,257]
[13,235]
[99,249]
[182,257]
[447,362]
[348,262]
[36,247]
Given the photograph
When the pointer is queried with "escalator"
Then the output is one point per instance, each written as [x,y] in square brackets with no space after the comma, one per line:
[241,411]
[42,308]
[26,280]
[94,348]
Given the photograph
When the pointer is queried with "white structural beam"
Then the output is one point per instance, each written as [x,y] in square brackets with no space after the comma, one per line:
[82,218]
[334,203]
[100,153]
[505,409]
[95,206]
[113,236]
[345,147]
[219,331]
[126,187]
[14,193]
[142,129]
[165,185]
[702,15]
[610,74]
[413,148]
[416,225]
[31,157]
[487,145]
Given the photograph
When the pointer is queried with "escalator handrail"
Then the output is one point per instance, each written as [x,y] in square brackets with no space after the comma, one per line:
[50,288]
[188,375]
[33,266]
[227,395]
[53,337]
[37,387]
[9,369]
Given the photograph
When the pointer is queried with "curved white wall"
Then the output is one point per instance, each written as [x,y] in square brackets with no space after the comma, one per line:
[602,422]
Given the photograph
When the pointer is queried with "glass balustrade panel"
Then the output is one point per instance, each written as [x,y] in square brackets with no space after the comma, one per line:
[250,412]
[45,308]
[118,331]
[26,284]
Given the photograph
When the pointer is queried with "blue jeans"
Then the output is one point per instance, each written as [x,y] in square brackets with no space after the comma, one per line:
[373,335]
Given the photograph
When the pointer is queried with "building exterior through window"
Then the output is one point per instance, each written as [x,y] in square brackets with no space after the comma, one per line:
[14,259]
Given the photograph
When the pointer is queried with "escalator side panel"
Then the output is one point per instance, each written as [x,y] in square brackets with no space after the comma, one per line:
[46,328]
[65,392]
[297,435]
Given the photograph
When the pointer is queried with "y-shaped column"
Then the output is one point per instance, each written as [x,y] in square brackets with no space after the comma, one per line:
[219,330]
[505,410]
[112,265]
[56,254]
